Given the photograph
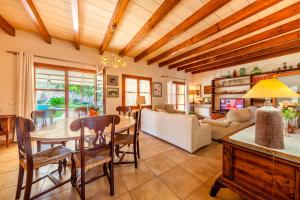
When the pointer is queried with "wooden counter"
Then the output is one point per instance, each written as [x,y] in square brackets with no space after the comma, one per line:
[257,172]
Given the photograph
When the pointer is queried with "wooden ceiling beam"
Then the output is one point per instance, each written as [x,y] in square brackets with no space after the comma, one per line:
[259,58]
[113,24]
[224,58]
[290,26]
[236,17]
[75,20]
[232,61]
[7,27]
[259,24]
[158,15]
[200,14]
[35,17]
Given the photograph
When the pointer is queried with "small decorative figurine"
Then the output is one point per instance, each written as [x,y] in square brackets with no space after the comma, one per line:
[284,66]
[234,74]
[243,71]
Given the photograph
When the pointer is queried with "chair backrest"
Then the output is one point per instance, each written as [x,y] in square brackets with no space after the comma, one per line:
[81,111]
[23,128]
[124,110]
[98,125]
[137,117]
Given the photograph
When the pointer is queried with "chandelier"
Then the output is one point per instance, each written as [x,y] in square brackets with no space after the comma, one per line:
[113,61]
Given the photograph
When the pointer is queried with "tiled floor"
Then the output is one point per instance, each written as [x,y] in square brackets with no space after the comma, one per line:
[165,172]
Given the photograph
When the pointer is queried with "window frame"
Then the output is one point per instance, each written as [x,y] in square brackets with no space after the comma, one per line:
[138,78]
[177,84]
[66,69]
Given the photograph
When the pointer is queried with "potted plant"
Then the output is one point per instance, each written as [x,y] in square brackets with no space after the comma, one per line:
[290,115]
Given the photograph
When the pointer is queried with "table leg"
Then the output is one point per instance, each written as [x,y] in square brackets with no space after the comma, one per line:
[215,188]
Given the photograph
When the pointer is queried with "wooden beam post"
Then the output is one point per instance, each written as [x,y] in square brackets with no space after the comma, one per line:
[75,20]
[200,14]
[35,17]
[114,22]
[9,29]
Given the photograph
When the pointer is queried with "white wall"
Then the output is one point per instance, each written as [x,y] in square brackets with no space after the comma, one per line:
[29,42]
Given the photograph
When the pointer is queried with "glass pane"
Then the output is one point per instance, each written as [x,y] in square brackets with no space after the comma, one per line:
[81,90]
[180,99]
[144,86]
[181,89]
[131,85]
[181,107]
[130,99]
[51,100]
[49,79]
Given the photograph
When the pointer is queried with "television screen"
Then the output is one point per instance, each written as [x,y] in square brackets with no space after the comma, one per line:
[231,103]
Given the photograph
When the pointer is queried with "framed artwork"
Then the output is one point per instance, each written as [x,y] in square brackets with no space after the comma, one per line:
[157,89]
[112,92]
[207,89]
[112,80]
[198,91]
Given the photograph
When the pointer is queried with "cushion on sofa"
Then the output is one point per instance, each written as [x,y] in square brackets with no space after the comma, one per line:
[239,116]
[221,123]
[161,110]
[169,108]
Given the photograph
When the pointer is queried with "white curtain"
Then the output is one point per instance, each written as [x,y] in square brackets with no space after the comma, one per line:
[25,84]
[171,92]
[187,99]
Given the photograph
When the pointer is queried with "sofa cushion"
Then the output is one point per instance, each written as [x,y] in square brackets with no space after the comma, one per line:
[239,116]
[161,110]
[158,106]
[220,123]
[169,108]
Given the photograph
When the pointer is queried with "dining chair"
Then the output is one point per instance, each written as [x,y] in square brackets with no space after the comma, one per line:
[29,162]
[81,111]
[101,153]
[122,140]
[45,115]
[124,110]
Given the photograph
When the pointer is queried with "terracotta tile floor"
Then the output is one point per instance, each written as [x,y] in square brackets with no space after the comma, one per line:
[165,172]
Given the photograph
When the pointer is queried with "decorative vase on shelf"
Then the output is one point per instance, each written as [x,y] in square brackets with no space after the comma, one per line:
[298,65]
[284,66]
[234,74]
[228,75]
[243,71]
[256,70]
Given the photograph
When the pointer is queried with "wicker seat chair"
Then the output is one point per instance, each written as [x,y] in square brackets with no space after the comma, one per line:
[29,162]
[101,153]
[123,140]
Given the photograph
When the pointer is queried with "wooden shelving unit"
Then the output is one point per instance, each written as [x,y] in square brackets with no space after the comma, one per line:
[252,81]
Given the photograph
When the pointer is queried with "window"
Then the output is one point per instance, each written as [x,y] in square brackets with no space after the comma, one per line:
[179,93]
[133,86]
[64,89]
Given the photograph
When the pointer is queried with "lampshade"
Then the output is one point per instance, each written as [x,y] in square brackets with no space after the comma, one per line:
[192,92]
[270,88]
[140,100]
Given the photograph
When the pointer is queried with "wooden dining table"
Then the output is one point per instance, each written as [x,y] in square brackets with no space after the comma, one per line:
[60,130]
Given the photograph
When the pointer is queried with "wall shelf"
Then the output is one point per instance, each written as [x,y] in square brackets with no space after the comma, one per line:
[235,85]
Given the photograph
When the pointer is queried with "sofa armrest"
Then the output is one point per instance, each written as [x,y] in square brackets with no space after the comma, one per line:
[218,123]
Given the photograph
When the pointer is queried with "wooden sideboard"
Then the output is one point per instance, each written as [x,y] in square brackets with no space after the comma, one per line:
[7,126]
[261,173]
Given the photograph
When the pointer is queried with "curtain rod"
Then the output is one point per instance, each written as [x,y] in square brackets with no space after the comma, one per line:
[174,78]
[38,56]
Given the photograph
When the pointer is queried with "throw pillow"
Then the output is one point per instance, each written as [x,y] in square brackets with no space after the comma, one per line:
[169,108]
[161,110]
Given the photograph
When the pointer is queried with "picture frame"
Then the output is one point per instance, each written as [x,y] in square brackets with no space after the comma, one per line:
[157,89]
[198,91]
[208,89]
[112,80]
[112,92]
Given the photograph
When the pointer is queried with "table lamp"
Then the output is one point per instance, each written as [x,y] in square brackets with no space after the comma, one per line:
[193,93]
[269,121]
[140,100]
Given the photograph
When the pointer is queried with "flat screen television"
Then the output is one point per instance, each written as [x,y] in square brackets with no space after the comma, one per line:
[231,104]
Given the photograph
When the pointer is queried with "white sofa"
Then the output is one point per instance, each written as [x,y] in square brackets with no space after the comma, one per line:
[234,121]
[181,130]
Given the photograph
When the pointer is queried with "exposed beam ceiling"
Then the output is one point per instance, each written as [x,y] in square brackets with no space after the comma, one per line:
[238,16]
[259,58]
[114,22]
[266,21]
[158,15]
[200,14]
[290,26]
[35,17]
[75,21]
[9,29]
[228,57]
